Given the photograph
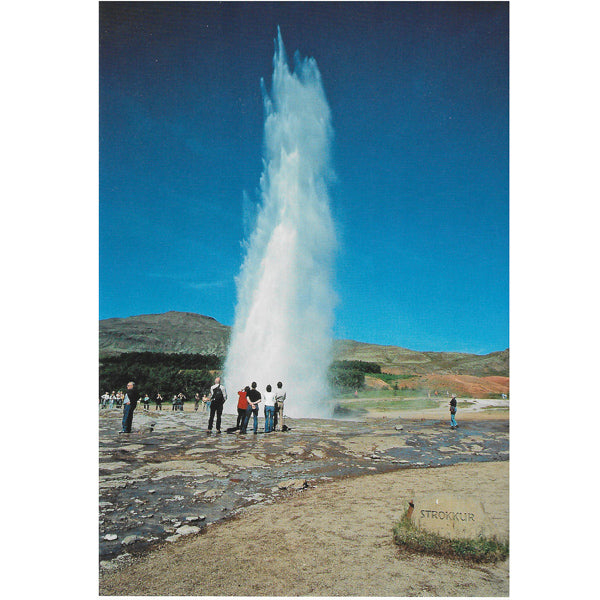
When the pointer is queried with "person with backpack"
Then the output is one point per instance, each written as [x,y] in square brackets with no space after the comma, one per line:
[217,396]
[453,424]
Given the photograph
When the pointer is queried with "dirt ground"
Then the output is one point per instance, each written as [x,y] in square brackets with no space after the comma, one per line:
[331,540]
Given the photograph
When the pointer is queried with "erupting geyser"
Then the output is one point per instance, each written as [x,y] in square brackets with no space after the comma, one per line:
[284,315]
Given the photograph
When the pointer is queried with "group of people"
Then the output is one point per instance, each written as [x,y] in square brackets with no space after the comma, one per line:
[112,400]
[115,400]
[249,399]
[248,402]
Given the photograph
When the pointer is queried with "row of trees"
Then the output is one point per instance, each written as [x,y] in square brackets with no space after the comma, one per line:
[170,374]
[158,372]
[349,375]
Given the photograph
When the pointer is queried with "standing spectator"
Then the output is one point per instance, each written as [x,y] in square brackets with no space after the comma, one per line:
[205,403]
[129,403]
[269,409]
[105,399]
[158,402]
[253,401]
[146,402]
[218,397]
[280,396]
[119,399]
[196,401]
[453,424]
[180,400]
[241,407]
[174,402]
[112,401]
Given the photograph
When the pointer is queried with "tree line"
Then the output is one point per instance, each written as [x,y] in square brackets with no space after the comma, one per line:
[171,373]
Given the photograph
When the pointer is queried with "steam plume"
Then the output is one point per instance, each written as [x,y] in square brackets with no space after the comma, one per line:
[284,314]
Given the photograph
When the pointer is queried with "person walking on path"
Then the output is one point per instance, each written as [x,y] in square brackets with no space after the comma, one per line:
[269,409]
[253,401]
[218,397]
[241,407]
[453,424]
[130,401]
[279,401]
[196,401]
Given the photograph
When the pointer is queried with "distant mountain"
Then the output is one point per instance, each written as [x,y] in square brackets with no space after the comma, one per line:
[192,333]
[167,332]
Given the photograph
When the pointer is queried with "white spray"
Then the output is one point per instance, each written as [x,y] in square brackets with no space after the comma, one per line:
[284,315]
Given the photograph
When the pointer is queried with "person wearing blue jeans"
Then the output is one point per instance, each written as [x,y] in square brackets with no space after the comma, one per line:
[453,424]
[269,409]
[129,403]
[254,397]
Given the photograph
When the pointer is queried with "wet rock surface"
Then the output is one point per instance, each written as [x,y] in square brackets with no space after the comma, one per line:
[170,478]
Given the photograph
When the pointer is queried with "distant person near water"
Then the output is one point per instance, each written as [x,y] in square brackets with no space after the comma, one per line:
[218,397]
[146,402]
[269,409]
[453,424]
[253,401]
[279,402]
[158,402]
[130,401]
[196,401]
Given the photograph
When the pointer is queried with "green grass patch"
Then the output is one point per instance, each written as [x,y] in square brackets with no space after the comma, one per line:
[382,404]
[390,378]
[370,393]
[464,404]
[480,549]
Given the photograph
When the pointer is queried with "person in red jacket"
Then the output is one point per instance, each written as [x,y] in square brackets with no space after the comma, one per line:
[242,406]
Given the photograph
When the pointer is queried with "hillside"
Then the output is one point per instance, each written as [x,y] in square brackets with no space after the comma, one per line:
[167,332]
[197,334]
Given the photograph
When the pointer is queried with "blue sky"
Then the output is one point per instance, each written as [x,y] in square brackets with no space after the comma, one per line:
[419,101]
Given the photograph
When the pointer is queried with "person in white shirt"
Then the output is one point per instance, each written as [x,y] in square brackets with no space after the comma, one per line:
[269,398]
[279,400]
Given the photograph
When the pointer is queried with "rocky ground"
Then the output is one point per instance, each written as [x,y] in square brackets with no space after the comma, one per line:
[169,481]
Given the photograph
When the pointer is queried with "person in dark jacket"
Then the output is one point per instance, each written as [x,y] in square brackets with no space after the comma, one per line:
[453,424]
[218,396]
[129,403]
[253,401]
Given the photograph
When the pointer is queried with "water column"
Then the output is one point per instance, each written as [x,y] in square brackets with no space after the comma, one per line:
[285,300]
